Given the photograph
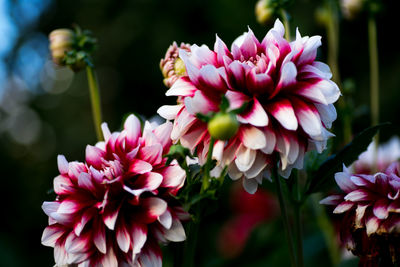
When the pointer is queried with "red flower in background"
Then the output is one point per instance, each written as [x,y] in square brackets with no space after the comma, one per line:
[116,207]
[250,210]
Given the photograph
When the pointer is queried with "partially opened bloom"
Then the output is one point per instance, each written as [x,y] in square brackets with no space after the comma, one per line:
[116,207]
[171,65]
[370,206]
[289,99]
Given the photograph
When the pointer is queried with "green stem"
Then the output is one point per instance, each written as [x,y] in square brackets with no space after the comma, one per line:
[374,79]
[285,218]
[190,244]
[297,223]
[95,100]
[285,18]
[332,32]
[327,229]
[207,166]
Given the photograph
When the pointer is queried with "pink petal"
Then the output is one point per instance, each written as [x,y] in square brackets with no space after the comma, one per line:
[255,115]
[123,237]
[358,195]
[236,99]
[76,244]
[163,134]
[151,258]
[237,75]
[109,259]
[199,103]
[259,83]
[99,237]
[182,87]
[258,166]
[63,185]
[287,78]
[250,185]
[150,181]
[221,50]
[271,141]
[85,181]
[173,176]
[133,131]
[343,180]
[139,237]
[152,154]
[169,112]
[308,117]
[252,137]
[86,217]
[153,207]
[343,207]
[69,206]
[110,215]
[165,219]
[176,233]
[94,156]
[106,131]
[331,200]
[210,77]
[51,234]
[328,113]
[380,209]
[372,225]
[62,164]
[139,166]
[283,111]
[245,158]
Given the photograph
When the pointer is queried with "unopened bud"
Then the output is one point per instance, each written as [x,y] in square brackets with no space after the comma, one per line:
[61,41]
[172,67]
[264,11]
[223,126]
[351,8]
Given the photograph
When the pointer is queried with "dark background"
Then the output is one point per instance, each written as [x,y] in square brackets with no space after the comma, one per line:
[46,111]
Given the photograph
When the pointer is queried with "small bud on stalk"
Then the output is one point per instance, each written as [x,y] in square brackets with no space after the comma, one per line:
[223,126]
[72,48]
[172,67]
[264,11]
[351,8]
[61,41]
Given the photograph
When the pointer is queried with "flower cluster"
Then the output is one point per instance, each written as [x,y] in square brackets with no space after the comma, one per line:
[116,207]
[370,205]
[171,65]
[287,94]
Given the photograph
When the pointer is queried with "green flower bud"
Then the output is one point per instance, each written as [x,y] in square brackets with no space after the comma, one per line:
[61,41]
[264,11]
[223,126]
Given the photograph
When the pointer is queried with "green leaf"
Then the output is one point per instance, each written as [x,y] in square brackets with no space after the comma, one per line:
[323,177]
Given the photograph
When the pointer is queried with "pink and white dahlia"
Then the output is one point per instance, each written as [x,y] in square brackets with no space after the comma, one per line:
[370,206]
[117,206]
[289,98]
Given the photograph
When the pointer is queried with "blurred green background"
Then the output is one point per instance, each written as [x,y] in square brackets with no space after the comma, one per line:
[46,111]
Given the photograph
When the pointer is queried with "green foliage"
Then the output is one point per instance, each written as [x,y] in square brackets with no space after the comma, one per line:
[322,177]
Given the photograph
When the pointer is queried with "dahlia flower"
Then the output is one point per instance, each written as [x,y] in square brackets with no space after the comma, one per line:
[171,65]
[114,209]
[370,206]
[386,154]
[289,100]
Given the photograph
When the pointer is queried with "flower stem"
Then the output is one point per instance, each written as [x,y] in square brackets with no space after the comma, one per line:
[285,18]
[190,244]
[95,100]
[207,167]
[297,223]
[332,33]
[374,79]
[325,225]
[285,218]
